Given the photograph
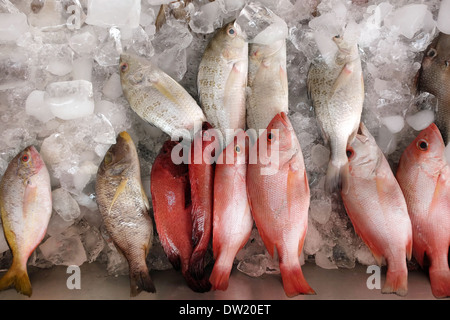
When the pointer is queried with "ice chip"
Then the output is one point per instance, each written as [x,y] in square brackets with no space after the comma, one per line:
[60,67]
[313,240]
[64,250]
[395,124]
[409,19]
[83,43]
[324,258]
[443,20]
[65,205]
[70,99]
[112,88]
[320,155]
[36,107]
[420,120]
[257,22]
[82,69]
[386,140]
[321,210]
[12,26]
[205,20]
[109,13]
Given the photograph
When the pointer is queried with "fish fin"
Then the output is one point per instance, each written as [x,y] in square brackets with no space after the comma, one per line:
[345,178]
[283,80]
[337,178]
[197,263]
[221,273]
[396,282]
[343,78]
[163,90]
[145,198]
[440,282]
[308,82]
[197,285]
[294,283]
[140,280]
[161,17]
[119,190]
[18,277]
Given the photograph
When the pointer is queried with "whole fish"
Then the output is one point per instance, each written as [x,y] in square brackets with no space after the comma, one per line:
[279,196]
[434,77]
[170,191]
[424,176]
[337,94]
[26,207]
[267,91]
[158,98]
[377,208]
[201,178]
[232,219]
[124,207]
[222,80]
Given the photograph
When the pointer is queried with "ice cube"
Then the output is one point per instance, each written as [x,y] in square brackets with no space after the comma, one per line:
[253,266]
[93,243]
[50,17]
[70,99]
[36,107]
[60,67]
[57,224]
[409,19]
[313,240]
[395,124]
[277,30]
[65,205]
[82,69]
[320,155]
[108,52]
[364,256]
[321,210]
[109,13]
[64,250]
[14,67]
[206,19]
[112,88]
[83,43]
[55,149]
[420,120]
[253,19]
[12,26]
[443,20]
[386,140]
[324,258]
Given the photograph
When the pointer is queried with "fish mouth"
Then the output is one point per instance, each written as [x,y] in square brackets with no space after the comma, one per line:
[125,136]
[284,119]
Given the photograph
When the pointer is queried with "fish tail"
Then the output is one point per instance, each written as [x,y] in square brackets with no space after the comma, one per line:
[440,282]
[396,282]
[18,277]
[220,274]
[197,285]
[140,280]
[294,282]
[337,177]
[197,263]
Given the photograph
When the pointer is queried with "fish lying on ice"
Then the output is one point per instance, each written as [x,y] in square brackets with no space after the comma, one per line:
[377,208]
[337,93]
[434,77]
[124,207]
[170,189]
[26,208]
[267,91]
[201,178]
[222,80]
[158,98]
[424,176]
[279,197]
[232,219]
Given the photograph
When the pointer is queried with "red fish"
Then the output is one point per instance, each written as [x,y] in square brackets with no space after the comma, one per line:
[279,197]
[377,208]
[424,176]
[232,219]
[172,211]
[201,177]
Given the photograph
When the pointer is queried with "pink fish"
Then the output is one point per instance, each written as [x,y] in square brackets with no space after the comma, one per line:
[279,197]
[377,208]
[424,176]
[232,219]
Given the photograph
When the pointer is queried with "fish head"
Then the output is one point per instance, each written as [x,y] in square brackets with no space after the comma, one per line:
[133,70]
[426,151]
[231,41]
[347,50]
[280,133]
[28,162]
[363,152]
[168,156]
[434,74]
[121,156]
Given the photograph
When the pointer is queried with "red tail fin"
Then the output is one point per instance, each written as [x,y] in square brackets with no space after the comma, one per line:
[294,282]
[440,282]
[220,275]
[396,282]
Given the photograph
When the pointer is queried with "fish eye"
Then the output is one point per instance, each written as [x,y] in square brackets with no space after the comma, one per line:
[447,63]
[432,53]
[206,135]
[337,36]
[124,67]
[25,158]
[231,31]
[422,145]
[350,153]
[270,137]
[237,148]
